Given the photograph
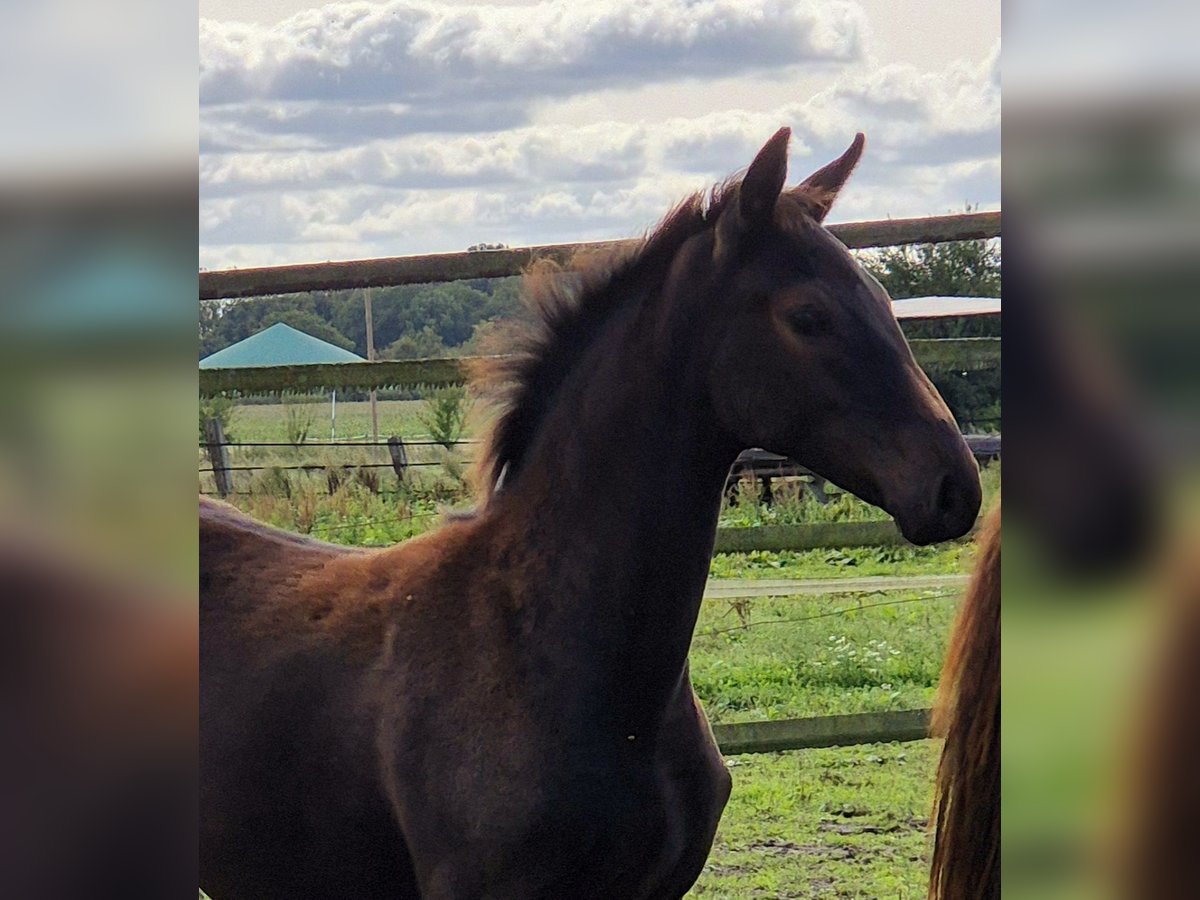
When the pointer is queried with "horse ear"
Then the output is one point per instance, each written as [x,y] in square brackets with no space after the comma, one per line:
[823,185]
[756,195]
[764,180]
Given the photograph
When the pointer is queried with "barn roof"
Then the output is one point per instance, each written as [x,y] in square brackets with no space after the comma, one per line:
[279,345]
[938,307]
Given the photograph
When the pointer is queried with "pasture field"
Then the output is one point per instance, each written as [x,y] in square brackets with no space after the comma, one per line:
[817,656]
[269,421]
[839,822]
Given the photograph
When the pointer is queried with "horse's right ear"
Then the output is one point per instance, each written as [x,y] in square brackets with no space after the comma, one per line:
[764,180]
[823,185]
[757,194]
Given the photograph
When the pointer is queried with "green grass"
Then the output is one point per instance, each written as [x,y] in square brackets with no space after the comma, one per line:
[845,822]
[793,504]
[268,421]
[851,562]
[816,656]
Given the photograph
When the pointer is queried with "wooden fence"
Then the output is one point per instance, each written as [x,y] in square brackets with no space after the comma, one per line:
[387,272]
[743,737]
[962,354]
[822,731]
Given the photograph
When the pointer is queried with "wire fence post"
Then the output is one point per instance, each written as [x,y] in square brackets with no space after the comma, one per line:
[399,457]
[371,358]
[214,445]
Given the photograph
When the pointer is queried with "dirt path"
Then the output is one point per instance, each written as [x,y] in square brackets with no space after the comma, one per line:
[731,588]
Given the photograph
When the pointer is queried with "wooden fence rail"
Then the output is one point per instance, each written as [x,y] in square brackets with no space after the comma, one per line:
[809,536]
[822,731]
[961,354]
[437,267]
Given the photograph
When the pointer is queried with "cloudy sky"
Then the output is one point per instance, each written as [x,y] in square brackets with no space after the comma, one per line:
[360,129]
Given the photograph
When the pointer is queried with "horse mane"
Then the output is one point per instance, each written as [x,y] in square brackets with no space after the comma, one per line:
[966,806]
[566,314]
[567,307]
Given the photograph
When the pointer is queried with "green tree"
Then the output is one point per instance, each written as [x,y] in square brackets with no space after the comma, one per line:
[445,414]
[451,311]
[310,323]
[486,339]
[954,269]
[424,344]
[221,408]
[226,322]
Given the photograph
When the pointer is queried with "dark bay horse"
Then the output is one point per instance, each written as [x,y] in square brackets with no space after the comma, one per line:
[502,708]
[1083,486]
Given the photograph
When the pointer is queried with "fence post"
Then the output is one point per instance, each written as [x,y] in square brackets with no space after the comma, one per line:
[816,487]
[214,445]
[399,456]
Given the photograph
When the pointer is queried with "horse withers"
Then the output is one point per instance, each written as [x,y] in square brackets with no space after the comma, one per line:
[502,708]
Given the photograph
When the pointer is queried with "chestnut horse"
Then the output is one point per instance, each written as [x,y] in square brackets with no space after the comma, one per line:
[502,708]
[1084,488]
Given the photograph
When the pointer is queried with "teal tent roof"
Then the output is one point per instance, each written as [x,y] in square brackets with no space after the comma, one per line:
[279,345]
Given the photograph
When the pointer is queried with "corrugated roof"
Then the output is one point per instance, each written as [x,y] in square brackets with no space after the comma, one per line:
[279,345]
[938,307]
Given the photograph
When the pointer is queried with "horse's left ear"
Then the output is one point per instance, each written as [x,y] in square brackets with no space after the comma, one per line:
[823,185]
[756,195]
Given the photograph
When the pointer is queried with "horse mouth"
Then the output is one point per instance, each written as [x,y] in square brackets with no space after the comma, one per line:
[923,534]
[947,512]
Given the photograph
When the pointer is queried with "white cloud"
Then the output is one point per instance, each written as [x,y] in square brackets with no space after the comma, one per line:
[428,56]
[329,143]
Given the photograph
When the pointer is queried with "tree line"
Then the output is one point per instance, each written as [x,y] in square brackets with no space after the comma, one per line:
[410,321]
[451,319]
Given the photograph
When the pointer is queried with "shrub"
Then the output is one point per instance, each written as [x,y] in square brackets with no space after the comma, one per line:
[298,420]
[222,409]
[445,414]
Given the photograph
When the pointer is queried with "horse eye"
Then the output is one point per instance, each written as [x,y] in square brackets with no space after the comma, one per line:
[807,321]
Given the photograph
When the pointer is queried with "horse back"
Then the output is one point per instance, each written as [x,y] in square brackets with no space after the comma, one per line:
[290,795]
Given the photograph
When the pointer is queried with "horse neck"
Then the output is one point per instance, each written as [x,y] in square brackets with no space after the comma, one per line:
[618,500]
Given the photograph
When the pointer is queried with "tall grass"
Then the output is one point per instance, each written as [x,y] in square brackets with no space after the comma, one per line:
[351,491]
[794,503]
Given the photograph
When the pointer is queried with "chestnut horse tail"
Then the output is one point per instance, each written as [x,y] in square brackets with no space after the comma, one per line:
[1162,818]
[966,806]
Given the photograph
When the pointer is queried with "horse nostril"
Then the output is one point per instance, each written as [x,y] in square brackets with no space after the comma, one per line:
[949,497]
[956,502]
